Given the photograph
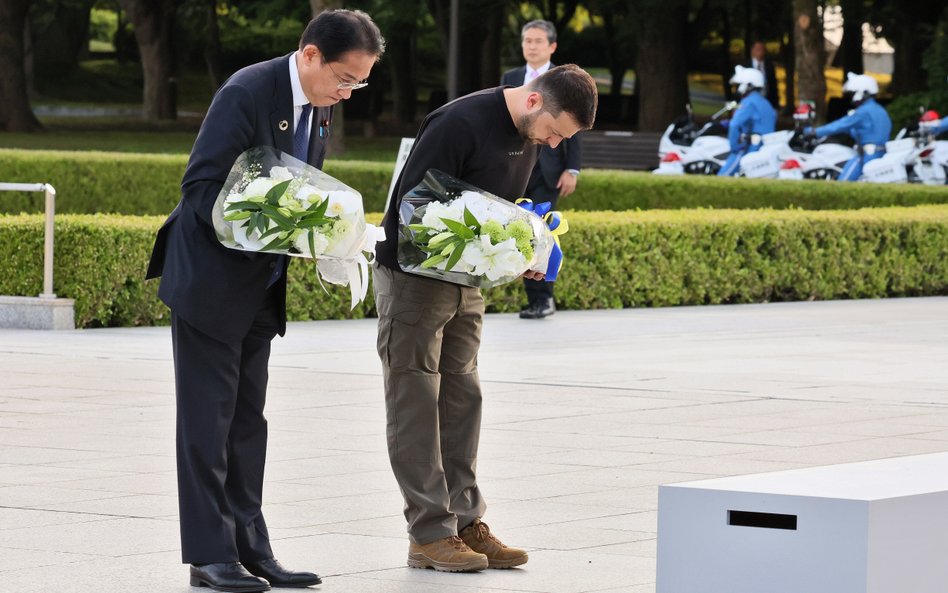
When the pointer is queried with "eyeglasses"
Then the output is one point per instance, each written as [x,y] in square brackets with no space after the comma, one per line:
[352,86]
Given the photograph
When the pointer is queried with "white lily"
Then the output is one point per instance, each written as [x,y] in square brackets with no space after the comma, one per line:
[493,261]
[344,202]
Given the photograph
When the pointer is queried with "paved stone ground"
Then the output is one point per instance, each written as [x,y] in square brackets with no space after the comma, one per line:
[574,441]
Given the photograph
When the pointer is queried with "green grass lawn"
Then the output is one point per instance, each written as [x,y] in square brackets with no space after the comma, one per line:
[108,83]
[109,141]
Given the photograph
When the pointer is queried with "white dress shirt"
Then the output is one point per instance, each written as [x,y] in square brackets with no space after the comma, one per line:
[529,75]
[299,98]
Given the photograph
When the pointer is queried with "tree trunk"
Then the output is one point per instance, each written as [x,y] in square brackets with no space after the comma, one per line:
[472,65]
[212,47]
[490,44]
[787,55]
[726,69]
[400,55]
[661,65]
[908,75]
[154,26]
[29,64]
[60,35]
[849,56]
[16,115]
[808,41]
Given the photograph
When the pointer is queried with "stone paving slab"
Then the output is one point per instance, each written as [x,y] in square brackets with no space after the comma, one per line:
[575,440]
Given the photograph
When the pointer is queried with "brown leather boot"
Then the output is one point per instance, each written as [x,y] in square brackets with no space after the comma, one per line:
[479,538]
[448,554]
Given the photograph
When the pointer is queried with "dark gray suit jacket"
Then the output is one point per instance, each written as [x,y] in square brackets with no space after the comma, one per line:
[770,79]
[552,162]
[216,289]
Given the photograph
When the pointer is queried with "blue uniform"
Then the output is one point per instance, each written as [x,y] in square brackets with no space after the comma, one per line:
[868,124]
[942,126]
[755,115]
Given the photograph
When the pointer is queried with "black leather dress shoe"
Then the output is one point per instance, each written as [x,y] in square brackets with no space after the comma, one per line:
[539,309]
[230,577]
[278,576]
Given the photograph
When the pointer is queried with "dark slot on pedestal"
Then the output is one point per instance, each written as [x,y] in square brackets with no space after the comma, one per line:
[765,520]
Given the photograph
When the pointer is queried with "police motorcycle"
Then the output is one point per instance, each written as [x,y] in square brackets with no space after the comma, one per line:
[907,159]
[940,154]
[805,156]
[765,163]
[927,162]
[687,148]
[870,126]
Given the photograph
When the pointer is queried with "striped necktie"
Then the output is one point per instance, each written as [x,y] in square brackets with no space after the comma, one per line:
[301,138]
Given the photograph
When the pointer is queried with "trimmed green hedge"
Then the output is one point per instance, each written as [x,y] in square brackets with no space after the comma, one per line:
[90,182]
[614,259]
[133,183]
[627,190]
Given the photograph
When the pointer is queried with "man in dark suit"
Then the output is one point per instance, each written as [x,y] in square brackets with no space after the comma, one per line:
[760,62]
[227,305]
[557,168]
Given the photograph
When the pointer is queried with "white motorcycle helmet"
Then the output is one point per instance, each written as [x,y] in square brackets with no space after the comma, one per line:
[747,79]
[861,86]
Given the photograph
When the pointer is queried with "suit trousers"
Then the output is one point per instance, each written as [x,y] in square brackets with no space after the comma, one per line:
[428,339]
[222,439]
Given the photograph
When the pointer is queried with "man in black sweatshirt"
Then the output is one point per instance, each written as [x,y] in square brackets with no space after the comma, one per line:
[429,330]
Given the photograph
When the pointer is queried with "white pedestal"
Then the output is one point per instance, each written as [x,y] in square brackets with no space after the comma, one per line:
[872,527]
[18,312]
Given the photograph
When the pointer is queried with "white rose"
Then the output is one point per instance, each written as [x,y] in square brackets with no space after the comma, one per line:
[279,174]
[434,212]
[320,242]
[258,187]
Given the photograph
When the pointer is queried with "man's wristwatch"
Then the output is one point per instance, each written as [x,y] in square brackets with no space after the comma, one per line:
[573,172]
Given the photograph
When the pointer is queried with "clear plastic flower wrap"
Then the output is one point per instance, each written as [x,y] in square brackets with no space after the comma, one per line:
[272,202]
[453,231]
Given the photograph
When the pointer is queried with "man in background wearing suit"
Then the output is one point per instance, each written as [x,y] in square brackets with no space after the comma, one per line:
[227,305]
[760,62]
[557,168]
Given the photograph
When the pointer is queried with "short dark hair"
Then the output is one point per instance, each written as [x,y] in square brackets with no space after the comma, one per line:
[571,89]
[336,32]
[546,26]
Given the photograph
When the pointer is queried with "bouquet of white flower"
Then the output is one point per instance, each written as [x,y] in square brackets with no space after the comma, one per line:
[275,203]
[453,231]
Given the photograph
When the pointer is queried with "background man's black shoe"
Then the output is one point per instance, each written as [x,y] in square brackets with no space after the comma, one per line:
[278,576]
[539,309]
[230,577]
[545,308]
[529,312]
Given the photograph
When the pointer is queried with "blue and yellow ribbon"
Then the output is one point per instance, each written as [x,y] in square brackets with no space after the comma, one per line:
[557,225]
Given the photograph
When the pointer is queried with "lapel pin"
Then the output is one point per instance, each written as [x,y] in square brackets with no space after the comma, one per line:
[284,125]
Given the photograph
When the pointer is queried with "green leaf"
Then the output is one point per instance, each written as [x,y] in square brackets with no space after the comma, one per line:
[251,206]
[432,261]
[471,220]
[308,222]
[279,244]
[243,214]
[440,238]
[320,208]
[312,244]
[276,216]
[419,228]
[455,257]
[458,228]
[275,230]
[276,192]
